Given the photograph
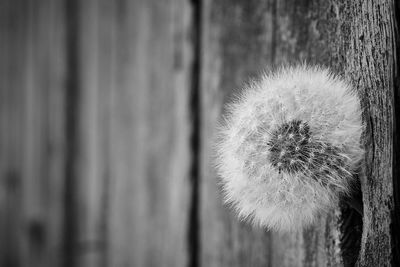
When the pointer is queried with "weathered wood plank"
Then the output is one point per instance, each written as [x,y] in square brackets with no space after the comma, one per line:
[371,64]
[134,160]
[240,40]
[44,148]
[32,144]
[354,39]
[11,133]
[306,31]
[150,135]
[94,52]
[237,42]
[127,66]
[122,129]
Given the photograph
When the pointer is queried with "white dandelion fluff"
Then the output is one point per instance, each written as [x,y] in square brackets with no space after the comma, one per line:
[289,146]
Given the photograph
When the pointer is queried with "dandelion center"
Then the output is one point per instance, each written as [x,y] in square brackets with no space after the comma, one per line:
[293,151]
[289,146]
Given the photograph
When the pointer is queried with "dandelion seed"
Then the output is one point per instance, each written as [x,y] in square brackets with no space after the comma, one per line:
[300,129]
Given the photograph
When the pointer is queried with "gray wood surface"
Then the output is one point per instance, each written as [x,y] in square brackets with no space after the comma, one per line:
[32,143]
[133,170]
[107,118]
[372,65]
[356,39]
[95,133]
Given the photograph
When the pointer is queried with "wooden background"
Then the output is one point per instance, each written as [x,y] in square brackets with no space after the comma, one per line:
[108,110]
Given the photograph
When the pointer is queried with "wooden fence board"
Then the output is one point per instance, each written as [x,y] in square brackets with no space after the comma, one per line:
[94,52]
[134,133]
[32,143]
[371,63]
[95,96]
[241,38]
[237,42]
[101,163]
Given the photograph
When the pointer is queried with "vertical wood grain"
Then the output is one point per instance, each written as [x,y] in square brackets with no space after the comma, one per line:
[95,133]
[32,133]
[150,133]
[91,70]
[237,43]
[354,39]
[12,110]
[241,39]
[100,104]
[371,64]
[134,128]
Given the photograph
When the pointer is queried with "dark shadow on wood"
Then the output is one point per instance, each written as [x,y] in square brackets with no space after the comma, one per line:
[351,225]
[194,212]
[71,120]
[395,226]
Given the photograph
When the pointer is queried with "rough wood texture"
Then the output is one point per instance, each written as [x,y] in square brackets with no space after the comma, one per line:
[32,57]
[107,116]
[356,39]
[371,64]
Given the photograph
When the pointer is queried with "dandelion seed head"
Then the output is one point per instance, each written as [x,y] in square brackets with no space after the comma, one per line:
[289,147]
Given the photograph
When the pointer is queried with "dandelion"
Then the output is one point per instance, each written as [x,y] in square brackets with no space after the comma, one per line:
[289,147]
